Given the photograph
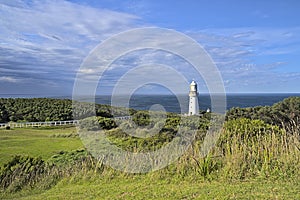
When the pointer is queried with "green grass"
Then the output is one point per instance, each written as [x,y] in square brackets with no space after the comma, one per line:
[147,187]
[262,168]
[36,142]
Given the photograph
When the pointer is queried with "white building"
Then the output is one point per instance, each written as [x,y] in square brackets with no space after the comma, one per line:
[193,102]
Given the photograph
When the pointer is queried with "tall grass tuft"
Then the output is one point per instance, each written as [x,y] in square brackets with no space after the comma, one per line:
[252,148]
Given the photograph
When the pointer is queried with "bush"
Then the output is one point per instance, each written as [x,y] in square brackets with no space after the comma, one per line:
[284,114]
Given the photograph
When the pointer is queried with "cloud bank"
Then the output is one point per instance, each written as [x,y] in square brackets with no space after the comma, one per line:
[44,42]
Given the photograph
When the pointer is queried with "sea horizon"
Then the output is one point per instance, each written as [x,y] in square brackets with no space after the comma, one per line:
[171,103]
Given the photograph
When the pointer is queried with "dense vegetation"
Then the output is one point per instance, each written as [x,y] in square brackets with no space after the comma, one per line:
[260,143]
[39,109]
[46,109]
[285,114]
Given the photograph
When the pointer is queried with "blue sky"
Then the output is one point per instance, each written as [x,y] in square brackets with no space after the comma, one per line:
[254,44]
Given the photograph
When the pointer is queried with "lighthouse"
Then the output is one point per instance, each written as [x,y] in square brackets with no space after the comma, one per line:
[193,103]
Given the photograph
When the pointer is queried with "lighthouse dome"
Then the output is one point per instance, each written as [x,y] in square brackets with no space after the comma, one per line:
[193,83]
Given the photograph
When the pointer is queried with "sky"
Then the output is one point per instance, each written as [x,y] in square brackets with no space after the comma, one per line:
[255,45]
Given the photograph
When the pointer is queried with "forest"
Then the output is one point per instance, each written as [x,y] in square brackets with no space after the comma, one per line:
[44,109]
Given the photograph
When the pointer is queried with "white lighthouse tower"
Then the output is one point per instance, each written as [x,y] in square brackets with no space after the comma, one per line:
[193,103]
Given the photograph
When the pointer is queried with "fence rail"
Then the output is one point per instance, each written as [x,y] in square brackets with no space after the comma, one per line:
[50,123]
[37,124]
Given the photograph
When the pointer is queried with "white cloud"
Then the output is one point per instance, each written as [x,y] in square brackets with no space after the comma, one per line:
[87,71]
[52,37]
[8,79]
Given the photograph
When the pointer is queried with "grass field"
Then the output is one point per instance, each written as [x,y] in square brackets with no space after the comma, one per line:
[146,187]
[36,142]
[110,184]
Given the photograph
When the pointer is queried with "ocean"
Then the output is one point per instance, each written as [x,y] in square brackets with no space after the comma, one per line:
[171,103]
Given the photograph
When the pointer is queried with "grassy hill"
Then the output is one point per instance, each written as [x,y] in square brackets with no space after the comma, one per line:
[253,159]
[243,172]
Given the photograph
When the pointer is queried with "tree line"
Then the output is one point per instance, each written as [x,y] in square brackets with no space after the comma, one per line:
[47,109]
[284,114]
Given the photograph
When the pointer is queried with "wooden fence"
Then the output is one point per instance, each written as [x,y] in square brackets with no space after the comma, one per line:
[38,124]
[50,123]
